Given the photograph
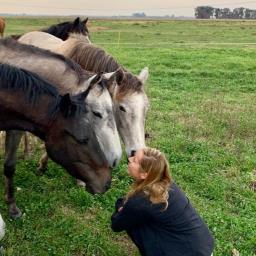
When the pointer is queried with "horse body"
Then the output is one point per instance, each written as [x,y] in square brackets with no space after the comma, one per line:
[29,103]
[51,42]
[2,26]
[68,77]
[129,97]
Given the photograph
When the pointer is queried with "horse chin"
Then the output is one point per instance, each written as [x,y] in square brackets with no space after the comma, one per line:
[94,190]
[94,183]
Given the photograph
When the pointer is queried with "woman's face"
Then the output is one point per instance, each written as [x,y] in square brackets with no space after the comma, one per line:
[134,166]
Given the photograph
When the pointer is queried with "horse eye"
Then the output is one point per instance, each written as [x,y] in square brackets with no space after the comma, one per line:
[97,114]
[122,108]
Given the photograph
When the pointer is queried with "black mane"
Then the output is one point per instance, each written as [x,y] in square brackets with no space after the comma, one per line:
[33,86]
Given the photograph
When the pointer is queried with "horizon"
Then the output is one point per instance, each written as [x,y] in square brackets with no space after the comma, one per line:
[110,8]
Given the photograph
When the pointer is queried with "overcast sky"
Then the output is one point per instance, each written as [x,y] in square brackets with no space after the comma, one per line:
[115,7]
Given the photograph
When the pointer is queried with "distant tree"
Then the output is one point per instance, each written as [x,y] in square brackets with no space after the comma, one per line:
[238,13]
[139,15]
[204,12]
[208,12]
[217,13]
[225,13]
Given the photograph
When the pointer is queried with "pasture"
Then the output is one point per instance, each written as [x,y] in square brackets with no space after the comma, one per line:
[202,114]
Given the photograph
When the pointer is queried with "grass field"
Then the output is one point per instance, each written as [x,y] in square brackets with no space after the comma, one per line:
[203,116]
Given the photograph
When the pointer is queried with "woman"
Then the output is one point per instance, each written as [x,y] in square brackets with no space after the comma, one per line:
[156,214]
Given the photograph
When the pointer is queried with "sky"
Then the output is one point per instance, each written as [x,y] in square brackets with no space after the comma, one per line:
[115,7]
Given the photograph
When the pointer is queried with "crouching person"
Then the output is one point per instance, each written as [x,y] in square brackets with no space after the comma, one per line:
[156,214]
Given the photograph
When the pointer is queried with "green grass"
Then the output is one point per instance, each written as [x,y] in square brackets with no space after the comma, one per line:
[202,116]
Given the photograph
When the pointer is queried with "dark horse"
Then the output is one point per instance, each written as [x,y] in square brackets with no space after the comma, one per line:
[29,103]
[63,29]
[2,26]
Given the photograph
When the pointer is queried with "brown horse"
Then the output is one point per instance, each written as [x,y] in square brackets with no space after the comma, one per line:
[129,97]
[2,26]
[29,103]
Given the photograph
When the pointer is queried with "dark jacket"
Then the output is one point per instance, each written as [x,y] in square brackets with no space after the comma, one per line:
[176,231]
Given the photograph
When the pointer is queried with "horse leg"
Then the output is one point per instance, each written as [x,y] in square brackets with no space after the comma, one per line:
[27,146]
[12,141]
[43,164]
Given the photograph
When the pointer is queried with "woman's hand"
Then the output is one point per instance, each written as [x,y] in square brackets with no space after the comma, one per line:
[120,209]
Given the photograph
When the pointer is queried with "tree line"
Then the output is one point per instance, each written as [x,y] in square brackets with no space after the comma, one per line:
[208,12]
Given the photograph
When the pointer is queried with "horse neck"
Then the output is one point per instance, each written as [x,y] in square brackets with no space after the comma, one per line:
[53,70]
[17,114]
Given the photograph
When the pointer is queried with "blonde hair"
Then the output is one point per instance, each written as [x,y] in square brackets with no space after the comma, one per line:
[157,183]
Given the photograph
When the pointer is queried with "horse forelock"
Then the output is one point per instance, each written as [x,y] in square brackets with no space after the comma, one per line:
[129,85]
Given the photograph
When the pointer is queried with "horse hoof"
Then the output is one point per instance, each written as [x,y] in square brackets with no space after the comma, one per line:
[80,183]
[41,171]
[16,214]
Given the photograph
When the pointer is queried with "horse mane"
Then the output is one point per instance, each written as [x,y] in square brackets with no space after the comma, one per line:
[59,30]
[13,44]
[95,59]
[33,87]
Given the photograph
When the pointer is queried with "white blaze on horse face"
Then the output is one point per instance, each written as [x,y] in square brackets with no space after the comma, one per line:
[130,115]
[102,119]
[2,227]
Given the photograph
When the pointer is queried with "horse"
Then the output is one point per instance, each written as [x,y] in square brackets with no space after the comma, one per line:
[29,103]
[129,97]
[63,29]
[2,26]
[68,77]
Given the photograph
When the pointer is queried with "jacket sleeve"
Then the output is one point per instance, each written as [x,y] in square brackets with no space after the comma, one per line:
[132,215]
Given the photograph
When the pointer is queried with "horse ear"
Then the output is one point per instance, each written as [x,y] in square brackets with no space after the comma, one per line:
[95,79]
[117,76]
[76,22]
[111,79]
[143,76]
[85,21]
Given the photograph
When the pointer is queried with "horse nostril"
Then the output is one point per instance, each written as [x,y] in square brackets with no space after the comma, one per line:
[114,163]
[133,152]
